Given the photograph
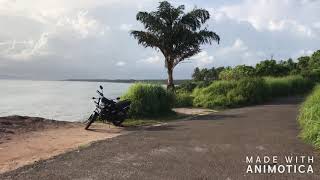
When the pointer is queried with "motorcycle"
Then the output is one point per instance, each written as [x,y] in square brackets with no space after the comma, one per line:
[108,110]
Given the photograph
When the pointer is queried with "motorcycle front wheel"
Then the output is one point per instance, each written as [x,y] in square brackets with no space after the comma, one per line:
[91,119]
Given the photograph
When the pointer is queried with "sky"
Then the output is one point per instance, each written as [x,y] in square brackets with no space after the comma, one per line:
[59,39]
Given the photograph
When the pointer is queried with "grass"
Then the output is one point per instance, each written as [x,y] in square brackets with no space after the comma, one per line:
[309,118]
[249,91]
[223,94]
[149,100]
[183,99]
[287,86]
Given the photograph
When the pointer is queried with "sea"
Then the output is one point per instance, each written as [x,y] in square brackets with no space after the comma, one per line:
[56,100]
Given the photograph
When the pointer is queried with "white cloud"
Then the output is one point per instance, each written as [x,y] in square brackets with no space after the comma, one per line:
[83,25]
[126,27]
[67,39]
[276,15]
[121,63]
[25,50]
[237,47]
[304,52]
[237,53]
[156,59]
[203,59]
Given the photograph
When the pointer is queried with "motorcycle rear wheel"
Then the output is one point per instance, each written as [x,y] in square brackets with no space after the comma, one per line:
[91,119]
[118,121]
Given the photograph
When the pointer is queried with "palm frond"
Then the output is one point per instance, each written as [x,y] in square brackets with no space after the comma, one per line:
[206,36]
[195,18]
[146,39]
[151,22]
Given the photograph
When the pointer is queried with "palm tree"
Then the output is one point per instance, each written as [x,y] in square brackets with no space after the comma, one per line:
[178,35]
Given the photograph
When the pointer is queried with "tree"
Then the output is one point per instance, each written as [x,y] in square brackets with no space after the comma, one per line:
[303,63]
[196,76]
[238,72]
[315,60]
[178,35]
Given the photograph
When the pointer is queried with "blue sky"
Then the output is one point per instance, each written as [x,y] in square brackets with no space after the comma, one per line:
[58,39]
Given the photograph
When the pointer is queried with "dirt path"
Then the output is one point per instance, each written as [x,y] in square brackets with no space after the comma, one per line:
[25,140]
[211,146]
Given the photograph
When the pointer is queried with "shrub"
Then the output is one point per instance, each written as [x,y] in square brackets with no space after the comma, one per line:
[309,118]
[313,75]
[183,99]
[187,86]
[236,73]
[249,91]
[289,85]
[231,93]
[149,100]
[213,95]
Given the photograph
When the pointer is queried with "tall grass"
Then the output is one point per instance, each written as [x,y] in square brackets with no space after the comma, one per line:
[183,99]
[309,118]
[148,100]
[287,86]
[248,91]
[214,95]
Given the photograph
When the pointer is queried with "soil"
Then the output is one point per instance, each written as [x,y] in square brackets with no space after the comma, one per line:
[24,140]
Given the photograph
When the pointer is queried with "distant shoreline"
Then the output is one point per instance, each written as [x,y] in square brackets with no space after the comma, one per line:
[155,81]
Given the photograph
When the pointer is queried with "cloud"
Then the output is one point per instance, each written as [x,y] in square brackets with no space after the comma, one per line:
[26,49]
[121,63]
[237,53]
[58,39]
[126,27]
[293,16]
[203,59]
[155,59]
[82,24]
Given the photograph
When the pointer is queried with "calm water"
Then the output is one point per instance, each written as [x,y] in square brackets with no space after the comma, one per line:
[59,100]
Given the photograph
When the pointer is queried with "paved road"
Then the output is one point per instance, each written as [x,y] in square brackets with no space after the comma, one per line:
[207,147]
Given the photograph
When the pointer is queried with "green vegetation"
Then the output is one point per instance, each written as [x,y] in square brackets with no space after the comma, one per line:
[289,85]
[230,93]
[232,87]
[183,99]
[307,66]
[241,71]
[176,34]
[248,91]
[309,118]
[149,100]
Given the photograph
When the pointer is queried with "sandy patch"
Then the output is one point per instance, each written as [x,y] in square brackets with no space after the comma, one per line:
[22,144]
[194,111]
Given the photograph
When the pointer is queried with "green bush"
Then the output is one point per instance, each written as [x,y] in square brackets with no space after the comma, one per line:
[309,118]
[248,91]
[236,73]
[187,86]
[313,75]
[149,100]
[214,95]
[289,85]
[183,99]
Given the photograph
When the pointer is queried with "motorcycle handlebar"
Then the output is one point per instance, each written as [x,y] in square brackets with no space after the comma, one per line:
[100,93]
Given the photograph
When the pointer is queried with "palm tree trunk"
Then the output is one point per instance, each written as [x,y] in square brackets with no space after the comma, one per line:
[170,85]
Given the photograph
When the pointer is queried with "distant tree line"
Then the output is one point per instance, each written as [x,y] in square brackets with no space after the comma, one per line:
[305,65]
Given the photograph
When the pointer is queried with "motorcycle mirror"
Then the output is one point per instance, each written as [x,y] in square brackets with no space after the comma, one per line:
[93,98]
[101,87]
[118,98]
